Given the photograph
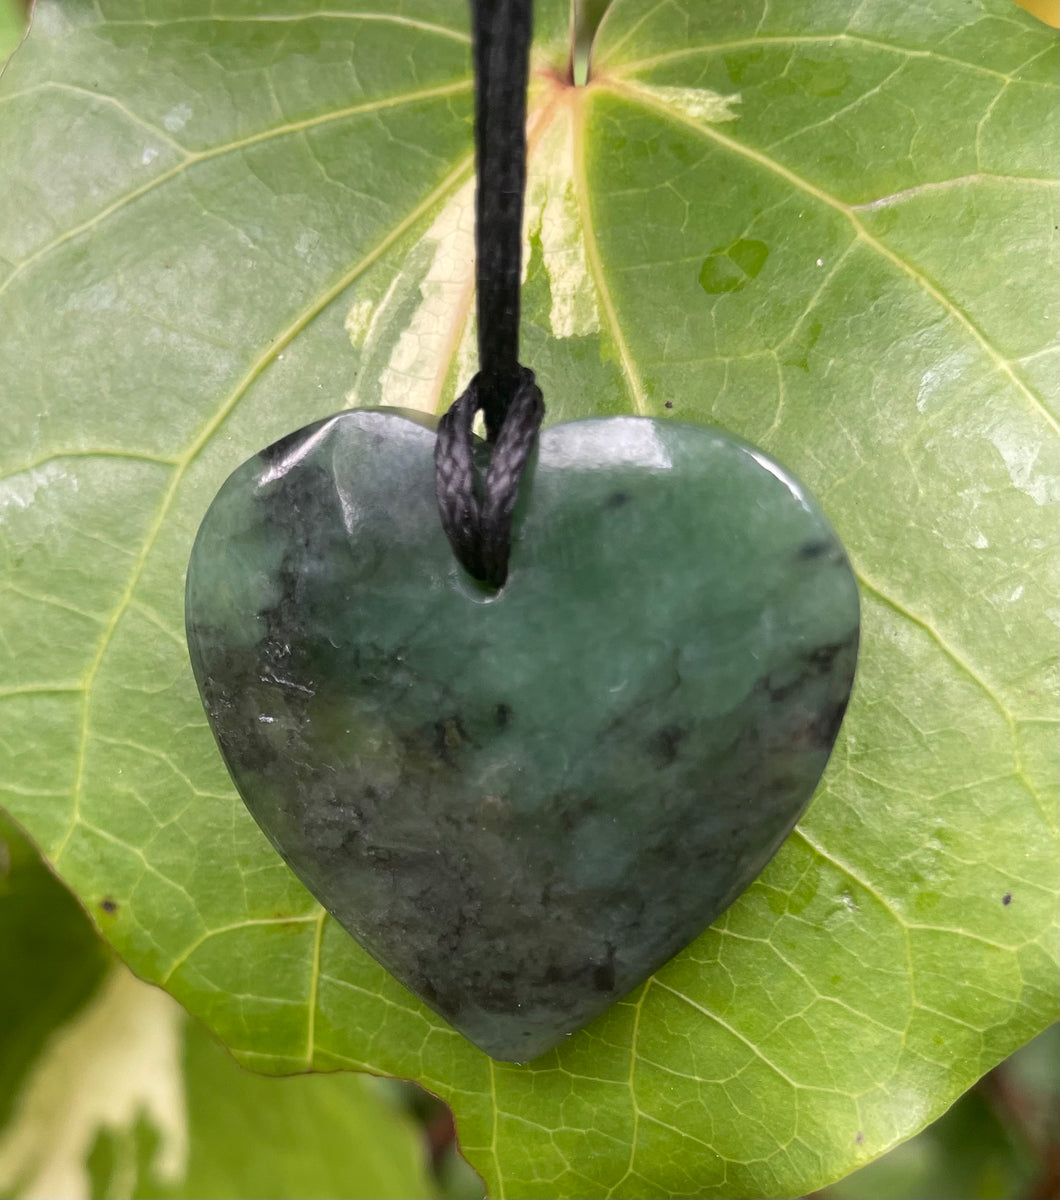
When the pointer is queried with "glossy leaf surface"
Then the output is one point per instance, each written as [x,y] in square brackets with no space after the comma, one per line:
[831,231]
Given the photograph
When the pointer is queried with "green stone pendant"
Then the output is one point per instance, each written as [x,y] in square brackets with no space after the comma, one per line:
[522,804]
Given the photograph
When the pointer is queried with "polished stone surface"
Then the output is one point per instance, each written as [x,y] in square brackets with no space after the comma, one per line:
[523,804]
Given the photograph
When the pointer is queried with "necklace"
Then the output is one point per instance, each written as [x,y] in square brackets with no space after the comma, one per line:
[525,713]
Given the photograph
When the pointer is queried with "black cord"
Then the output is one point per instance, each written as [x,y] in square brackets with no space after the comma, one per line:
[501,36]
[476,514]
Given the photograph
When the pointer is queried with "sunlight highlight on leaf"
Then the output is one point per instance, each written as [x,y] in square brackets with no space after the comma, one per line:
[825,268]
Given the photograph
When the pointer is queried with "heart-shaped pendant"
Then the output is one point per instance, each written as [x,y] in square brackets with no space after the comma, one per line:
[522,804]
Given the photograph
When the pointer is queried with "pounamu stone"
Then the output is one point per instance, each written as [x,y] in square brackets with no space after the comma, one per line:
[522,804]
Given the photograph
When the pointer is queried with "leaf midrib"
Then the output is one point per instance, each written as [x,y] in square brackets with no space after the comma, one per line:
[443,190]
[457,35]
[592,251]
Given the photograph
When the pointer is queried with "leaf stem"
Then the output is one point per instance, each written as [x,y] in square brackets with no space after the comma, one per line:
[585,18]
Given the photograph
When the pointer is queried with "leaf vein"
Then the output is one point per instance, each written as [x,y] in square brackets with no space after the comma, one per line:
[195,158]
[59,455]
[632,93]
[592,250]
[250,923]
[314,984]
[827,39]
[713,1016]
[455,35]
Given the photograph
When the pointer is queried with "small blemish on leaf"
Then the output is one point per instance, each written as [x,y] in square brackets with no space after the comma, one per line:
[359,320]
[701,104]
[177,118]
[731,268]
[108,905]
[820,77]
[1006,899]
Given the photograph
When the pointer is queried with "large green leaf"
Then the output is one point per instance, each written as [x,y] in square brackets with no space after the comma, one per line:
[828,228]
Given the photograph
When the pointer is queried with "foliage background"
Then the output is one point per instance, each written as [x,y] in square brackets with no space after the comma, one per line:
[926,822]
[341,1135]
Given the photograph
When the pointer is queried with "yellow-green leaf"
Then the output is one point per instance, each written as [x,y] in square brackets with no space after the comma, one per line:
[830,229]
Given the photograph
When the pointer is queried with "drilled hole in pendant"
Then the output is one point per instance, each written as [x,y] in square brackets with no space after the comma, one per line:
[475,590]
